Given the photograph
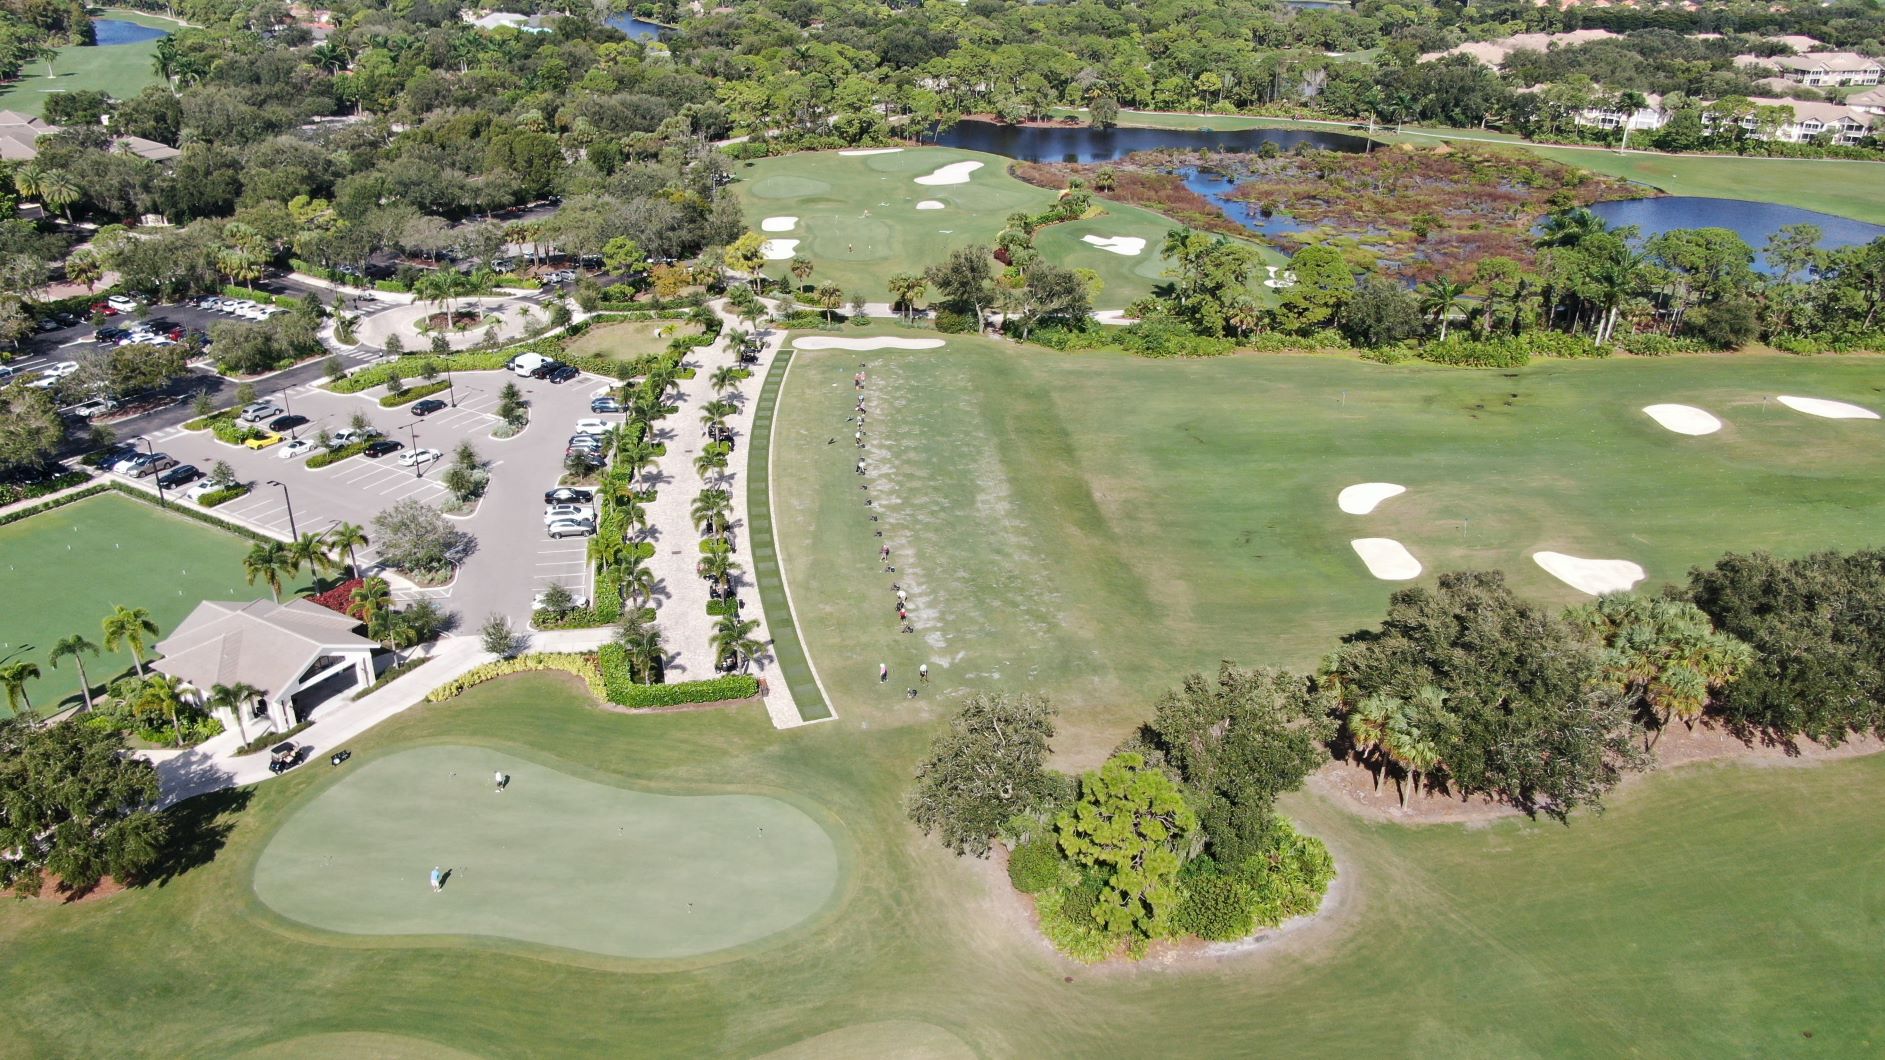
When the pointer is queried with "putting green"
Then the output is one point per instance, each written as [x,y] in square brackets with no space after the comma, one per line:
[858,221]
[554,859]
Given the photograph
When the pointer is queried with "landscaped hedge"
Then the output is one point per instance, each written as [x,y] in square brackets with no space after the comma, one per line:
[225,427]
[392,674]
[413,393]
[253,295]
[335,456]
[619,685]
[16,494]
[583,666]
[223,496]
[60,502]
[412,366]
[189,512]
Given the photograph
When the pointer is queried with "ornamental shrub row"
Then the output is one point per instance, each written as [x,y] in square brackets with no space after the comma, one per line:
[335,456]
[582,666]
[31,510]
[412,394]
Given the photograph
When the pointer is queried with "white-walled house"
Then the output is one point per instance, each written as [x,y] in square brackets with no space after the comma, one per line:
[1829,69]
[297,654]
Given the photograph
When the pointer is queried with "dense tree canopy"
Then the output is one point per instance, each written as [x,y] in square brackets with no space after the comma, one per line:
[74,805]
[988,767]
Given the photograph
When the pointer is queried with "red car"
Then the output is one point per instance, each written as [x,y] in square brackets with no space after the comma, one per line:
[104,308]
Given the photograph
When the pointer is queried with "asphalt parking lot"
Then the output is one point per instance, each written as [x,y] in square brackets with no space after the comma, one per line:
[514,560]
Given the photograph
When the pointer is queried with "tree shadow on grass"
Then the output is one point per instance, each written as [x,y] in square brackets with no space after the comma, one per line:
[198,829]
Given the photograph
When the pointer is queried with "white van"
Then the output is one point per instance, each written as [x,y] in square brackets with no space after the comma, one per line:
[525,363]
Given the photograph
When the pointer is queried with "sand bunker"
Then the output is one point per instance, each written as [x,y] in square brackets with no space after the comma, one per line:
[953,173]
[1387,559]
[829,342]
[1130,246]
[779,249]
[929,204]
[1593,576]
[856,151]
[1361,498]
[1683,419]
[778,224]
[1832,410]
[1114,316]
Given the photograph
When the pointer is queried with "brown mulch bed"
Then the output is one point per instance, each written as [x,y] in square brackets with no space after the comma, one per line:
[54,890]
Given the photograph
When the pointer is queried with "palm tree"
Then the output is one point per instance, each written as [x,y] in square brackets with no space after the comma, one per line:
[315,553]
[1567,228]
[235,699]
[1438,299]
[14,676]
[636,579]
[734,636]
[164,693]
[76,646]
[443,287]
[908,288]
[57,189]
[642,642]
[717,565]
[726,377]
[713,415]
[129,626]
[371,597]
[345,537]
[711,510]
[801,269]
[268,561]
[1243,315]
[83,266]
[711,460]
[391,629]
[1387,735]
[830,297]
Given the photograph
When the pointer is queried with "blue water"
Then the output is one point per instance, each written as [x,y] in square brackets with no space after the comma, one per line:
[118,31]
[637,28]
[1752,221]
[1217,189]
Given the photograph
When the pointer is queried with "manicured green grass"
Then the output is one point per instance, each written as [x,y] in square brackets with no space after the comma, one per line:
[630,338]
[1095,526]
[553,859]
[1714,911]
[858,222]
[62,572]
[121,70]
[788,648]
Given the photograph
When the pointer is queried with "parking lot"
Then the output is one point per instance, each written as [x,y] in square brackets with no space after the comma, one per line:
[515,558]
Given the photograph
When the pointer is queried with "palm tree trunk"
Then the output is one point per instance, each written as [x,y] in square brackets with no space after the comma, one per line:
[137,659]
[85,683]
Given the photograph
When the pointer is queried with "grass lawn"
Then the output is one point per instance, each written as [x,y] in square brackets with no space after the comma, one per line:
[858,221]
[65,570]
[630,338]
[1709,912]
[122,70]
[1095,526]
[554,859]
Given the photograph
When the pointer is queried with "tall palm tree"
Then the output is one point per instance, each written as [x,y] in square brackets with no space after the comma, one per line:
[268,561]
[371,597]
[711,510]
[636,579]
[726,377]
[129,626]
[58,190]
[1387,735]
[1439,298]
[717,564]
[634,457]
[164,693]
[14,676]
[733,636]
[315,553]
[712,461]
[642,642]
[714,413]
[391,629]
[76,646]
[1567,228]
[908,288]
[345,537]
[235,699]
[801,269]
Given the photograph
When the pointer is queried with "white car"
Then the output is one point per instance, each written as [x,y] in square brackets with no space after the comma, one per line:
[569,511]
[261,410]
[52,373]
[122,304]
[294,448]
[594,426]
[561,276]
[97,406]
[199,489]
[415,457]
[124,465]
[563,528]
[347,436]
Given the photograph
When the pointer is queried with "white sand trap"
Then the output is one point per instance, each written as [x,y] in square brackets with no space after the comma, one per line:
[1832,410]
[1593,576]
[857,151]
[778,249]
[831,342]
[778,224]
[1683,419]
[1130,246]
[1116,317]
[953,173]
[1387,559]
[1361,498]
[930,204]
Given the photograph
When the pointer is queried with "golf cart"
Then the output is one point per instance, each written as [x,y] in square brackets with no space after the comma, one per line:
[284,756]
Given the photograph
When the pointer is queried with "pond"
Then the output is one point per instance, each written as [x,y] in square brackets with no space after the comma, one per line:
[1217,189]
[1754,222]
[121,31]
[638,28]
[1079,143]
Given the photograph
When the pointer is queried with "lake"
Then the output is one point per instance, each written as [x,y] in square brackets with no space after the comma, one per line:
[119,31]
[1079,143]
[1752,221]
[640,29]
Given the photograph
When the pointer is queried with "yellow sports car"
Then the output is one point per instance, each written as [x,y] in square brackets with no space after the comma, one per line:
[264,441]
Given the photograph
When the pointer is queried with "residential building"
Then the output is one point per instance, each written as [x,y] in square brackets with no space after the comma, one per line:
[20,135]
[297,654]
[1829,69]
[1647,117]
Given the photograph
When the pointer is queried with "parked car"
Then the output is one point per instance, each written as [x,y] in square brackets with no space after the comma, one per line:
[561,276]
[427,407]
[200,489]
[151,463]
[558,512]
[109,336]
[568,495]
[67,320]
[104,309]
[264,441]
[592,426]
[562,373]
[563,528]
[347,436]
[181,475]
[381,448]
[120,460]
[97,406]
[122,304]
[259,411]
[419,456]
[295,448]
[604,404]
[50,375]
[46,324]
[542,371]
[286,423]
